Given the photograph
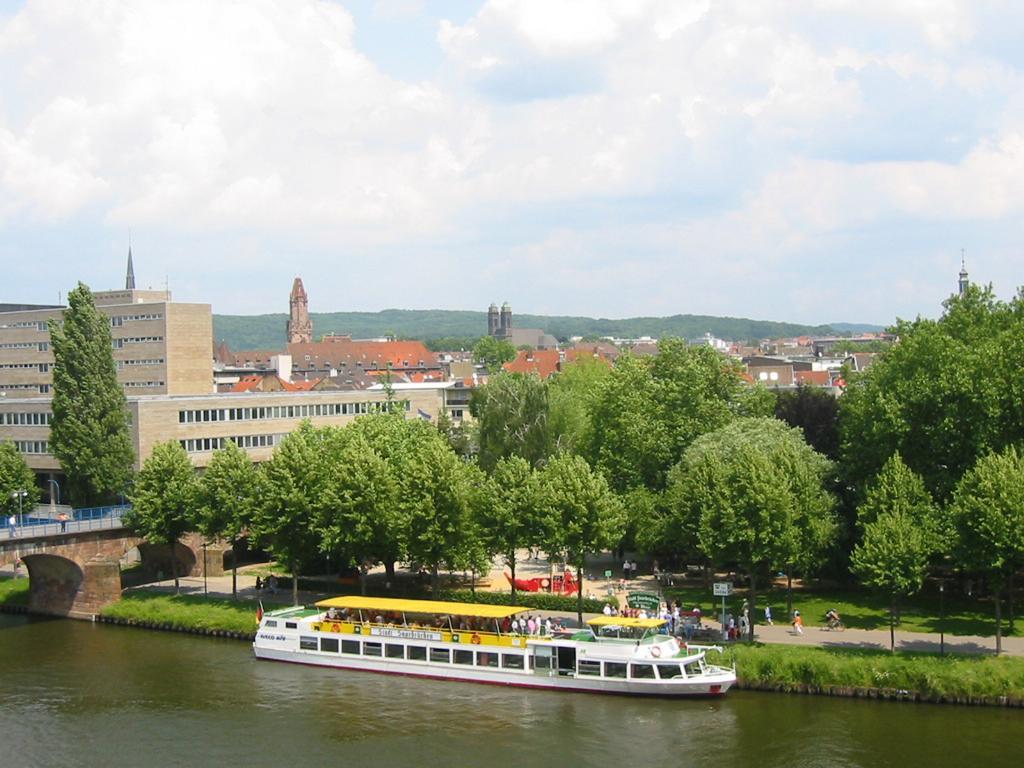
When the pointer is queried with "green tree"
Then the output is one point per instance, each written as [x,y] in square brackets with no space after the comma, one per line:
[943,396]
[513,518]
[988,515]
[815,411]
[511,413]
[293,490]
[892,557]
[163,499]
[752,493]
[226,499]
[436,497]
[357,519]
[15,477]
[586,516]
[493,353]
[89,434]
[572,395]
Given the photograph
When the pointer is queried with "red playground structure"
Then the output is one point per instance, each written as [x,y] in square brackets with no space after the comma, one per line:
[564,584]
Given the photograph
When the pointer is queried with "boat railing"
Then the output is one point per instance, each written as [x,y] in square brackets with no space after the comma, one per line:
[424,631]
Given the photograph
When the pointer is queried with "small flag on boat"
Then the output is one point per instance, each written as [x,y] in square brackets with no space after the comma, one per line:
[259,612]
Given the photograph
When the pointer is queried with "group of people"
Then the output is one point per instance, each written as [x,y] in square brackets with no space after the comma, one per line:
[270,584]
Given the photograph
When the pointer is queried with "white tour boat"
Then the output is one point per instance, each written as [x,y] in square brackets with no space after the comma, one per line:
[473,642]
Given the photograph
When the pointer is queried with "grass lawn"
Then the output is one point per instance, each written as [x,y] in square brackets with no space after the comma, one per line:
[187,611]
[927,674]
[860,610]
[13,591]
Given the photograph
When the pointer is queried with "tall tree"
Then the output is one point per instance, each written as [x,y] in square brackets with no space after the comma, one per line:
[943,396]
[493,352]
[89,434]
[15,477]
[815,411]
[511,412]
[357,519]
[513,518]
[572,395]
[892,557]
[752,493]
[586,516]
[293,492]
[988,514]
[163,499]
[226,500]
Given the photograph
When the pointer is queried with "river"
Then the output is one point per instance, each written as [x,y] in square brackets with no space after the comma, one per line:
[78,694]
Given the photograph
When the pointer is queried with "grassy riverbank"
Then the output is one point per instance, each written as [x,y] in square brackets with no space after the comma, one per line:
[13,591]
[928,675]
[191,612]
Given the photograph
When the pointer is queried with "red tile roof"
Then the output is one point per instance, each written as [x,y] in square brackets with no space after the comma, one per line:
[815,378]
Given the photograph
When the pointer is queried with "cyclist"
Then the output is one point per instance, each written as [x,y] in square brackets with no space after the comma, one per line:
[833,619]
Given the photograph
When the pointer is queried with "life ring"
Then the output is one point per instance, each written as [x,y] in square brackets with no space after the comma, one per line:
[475,639]
[335,627]
[545,583]
[656,652]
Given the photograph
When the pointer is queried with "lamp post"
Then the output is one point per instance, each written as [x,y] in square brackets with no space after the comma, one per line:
[942,618]
[19,495]
[204,568]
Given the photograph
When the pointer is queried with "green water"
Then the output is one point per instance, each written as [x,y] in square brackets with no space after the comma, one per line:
[77,694]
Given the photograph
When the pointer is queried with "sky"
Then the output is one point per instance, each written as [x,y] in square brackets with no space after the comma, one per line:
[819,161]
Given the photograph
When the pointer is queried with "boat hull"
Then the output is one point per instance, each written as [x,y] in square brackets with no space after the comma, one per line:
[706,686]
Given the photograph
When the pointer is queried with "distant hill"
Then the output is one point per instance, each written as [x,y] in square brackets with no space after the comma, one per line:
[267,331]
[845,328]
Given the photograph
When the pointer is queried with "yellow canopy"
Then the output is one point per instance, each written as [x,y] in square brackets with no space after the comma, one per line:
[625,621]
[479,610]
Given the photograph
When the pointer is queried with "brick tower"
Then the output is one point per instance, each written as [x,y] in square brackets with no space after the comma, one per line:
[300,327]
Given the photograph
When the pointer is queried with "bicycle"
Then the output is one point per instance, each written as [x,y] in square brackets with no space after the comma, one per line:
[836,625]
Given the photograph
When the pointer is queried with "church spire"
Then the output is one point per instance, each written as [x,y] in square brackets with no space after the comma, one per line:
[964,282]
[299,326]
[129,279]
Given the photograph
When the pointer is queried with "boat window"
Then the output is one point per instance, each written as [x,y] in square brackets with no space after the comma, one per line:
[641,671]
[486,659]
[440,655]
[308,643]
[329,644]
[542,657]
[512,660]
[394,651]
[666,671]
[590,668]
[463,657]
[614,669]
[371,649]
[417,653]
[270,623]
[291,625]
[350,646]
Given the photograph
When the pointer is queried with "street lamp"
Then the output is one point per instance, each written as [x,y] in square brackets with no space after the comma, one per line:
[204,568]
[19,495]
[942,618]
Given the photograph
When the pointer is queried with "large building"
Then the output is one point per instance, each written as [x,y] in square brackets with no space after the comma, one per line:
[499,326]
[163,352]
[160,347]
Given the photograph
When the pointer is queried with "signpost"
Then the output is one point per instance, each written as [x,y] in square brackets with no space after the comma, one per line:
[723,589]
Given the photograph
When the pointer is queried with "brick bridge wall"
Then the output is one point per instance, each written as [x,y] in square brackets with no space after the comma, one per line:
[76,574]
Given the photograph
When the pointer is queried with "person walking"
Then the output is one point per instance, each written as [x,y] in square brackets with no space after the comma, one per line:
[798,623]
[12,526]
[63,519]
[768,615]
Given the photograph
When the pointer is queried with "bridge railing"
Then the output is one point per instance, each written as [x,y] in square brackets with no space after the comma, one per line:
[39,523]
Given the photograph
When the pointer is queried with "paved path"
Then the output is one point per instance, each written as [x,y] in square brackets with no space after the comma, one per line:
[782,634]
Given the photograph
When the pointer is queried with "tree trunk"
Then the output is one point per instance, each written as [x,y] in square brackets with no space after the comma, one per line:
[579,594]
[389,570]
[512,566]
[789,591]
[174,566]
[1009,603]
[892,625]
[472,582]
[707,576]
[362,579]
[752,608]
[999,622]
[234,571]
[433,581]
[295,583]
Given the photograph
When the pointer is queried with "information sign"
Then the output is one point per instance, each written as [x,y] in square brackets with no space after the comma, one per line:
[649,601]
[722,589]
